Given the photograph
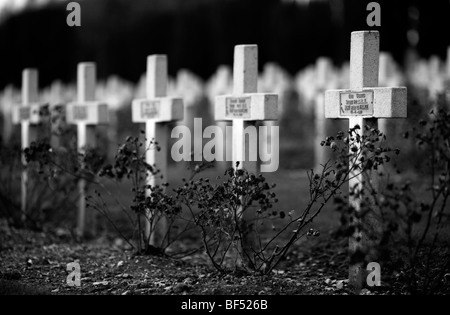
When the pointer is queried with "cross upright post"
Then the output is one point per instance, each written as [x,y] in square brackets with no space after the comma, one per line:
[323,71]
[245,107]
[33,117]
[157,111]
[86,113]
[363,104]
[447,74]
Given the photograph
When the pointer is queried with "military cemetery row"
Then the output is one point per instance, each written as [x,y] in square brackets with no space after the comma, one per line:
[429,75]
[351,92]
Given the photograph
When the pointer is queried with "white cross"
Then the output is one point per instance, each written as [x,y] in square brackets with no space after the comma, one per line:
[448,62]
[157,111]
[245,106]
[323,81]
[7,101]
[436,82]
[86,113]
[385,77]
[29,115]
[219,84]
[448,75]
[362,105]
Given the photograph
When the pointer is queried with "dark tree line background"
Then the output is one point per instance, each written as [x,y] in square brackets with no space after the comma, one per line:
[200,34]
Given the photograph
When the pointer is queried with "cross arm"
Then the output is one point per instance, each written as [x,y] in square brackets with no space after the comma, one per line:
[162,109]
[386,102]
[250,107]
[35,113]
[90,113]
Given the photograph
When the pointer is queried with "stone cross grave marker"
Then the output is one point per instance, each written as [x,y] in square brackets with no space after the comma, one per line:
[86,113]
[363,104]
[447,74]
[385,78]
[157,111]
[323,78]
[274,80]
[7,101]
[245,107]
[190,88]
[448,62]
[221,83]
[436,81]
[54,94]
[30,114]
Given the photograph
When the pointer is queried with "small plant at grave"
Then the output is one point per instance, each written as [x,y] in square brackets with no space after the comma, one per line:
[233,214]
[418,213]
[363,156]
[411,214]
[150,204]
[54,174]
[51,177]
[219,211]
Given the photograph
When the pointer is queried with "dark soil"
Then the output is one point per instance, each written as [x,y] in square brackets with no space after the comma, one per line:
[36,263]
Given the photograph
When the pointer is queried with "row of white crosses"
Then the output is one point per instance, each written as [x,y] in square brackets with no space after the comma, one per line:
[323,82]
[157,111]
[244,108]
[221,83]
[7,99]
[85,113]
[189,87]
[311,84]
[431,75]
[447,76]
[388,76]
[448,63]
[377,102]
[436,81]
[274,80]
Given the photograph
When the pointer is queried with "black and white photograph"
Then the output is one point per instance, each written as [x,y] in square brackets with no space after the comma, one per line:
[224,155]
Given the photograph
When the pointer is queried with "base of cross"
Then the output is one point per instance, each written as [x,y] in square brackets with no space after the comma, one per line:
[30,133]
[87,216]
[366,239]
[248,244]
[157,233]
[366,225]
[363,250]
